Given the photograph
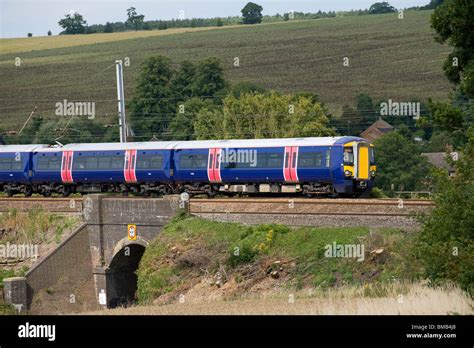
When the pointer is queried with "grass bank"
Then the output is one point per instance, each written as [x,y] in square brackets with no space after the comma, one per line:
[195,257]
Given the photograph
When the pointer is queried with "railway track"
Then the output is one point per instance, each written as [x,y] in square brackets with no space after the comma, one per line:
[53,205]
[247,206]
[309,207]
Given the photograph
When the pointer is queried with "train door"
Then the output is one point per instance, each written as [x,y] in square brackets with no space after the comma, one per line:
[363,165]
[214,165]
[129,166]
[290,164]
[66,166]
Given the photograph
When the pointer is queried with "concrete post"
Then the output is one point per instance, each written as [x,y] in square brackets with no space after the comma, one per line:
[15,293]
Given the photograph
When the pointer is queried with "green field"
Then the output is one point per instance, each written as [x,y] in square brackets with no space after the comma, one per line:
[389,58]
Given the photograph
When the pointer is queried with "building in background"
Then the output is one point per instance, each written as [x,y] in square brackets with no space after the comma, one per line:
[378,129]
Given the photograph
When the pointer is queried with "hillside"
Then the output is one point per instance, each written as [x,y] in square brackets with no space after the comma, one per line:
[389,58]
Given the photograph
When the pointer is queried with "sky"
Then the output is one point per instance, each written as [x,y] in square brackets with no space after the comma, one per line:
[19,17]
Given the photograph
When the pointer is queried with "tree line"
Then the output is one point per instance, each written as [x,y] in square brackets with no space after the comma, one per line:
[251,13]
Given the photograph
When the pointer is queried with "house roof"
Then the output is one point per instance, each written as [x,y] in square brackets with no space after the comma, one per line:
[377,130]
[438,159]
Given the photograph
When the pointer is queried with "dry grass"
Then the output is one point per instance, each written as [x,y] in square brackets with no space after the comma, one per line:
[413,300]
[18,45]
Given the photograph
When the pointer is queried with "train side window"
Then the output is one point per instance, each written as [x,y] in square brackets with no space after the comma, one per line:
[156,162]
[310,160]
[293,162]
[104,162]
[79,163]
[5,164]
[372,155]
[16,165]
[92,162]
[116,162]
[348,156]
[43,163]
[287,159]
[54,163]
[143,162]
[274,160]
[195,162]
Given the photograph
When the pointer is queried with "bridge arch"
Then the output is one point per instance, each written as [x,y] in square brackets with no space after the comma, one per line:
[121,271]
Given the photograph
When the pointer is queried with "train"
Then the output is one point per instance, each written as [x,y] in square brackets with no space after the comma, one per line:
[337,166]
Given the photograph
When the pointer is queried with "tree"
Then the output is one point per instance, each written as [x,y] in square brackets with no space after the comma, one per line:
[154,101]
[257,115]
[134,20]
[30,34]
[183,80]
[182,126]
[354,122]
[50,33]
[219,22]
[381,7]
[453,24]
[246,87]
[29,133]
[80,130]
[433,4]
[73,23]
[252,13]
[109,28]
[209,78]
[446,241]
[399,163]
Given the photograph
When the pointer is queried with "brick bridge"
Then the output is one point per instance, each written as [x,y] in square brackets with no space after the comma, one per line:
[95,266]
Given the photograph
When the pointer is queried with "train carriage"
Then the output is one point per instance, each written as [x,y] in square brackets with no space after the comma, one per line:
[16,168]
[312,166]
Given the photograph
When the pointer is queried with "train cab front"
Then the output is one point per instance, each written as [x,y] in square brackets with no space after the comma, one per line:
[359,167]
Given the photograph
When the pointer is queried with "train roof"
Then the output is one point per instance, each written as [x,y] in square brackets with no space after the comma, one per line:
[21,148]
[176,145]
[206,144]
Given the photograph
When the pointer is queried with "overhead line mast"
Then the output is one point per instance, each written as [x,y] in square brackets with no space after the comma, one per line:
[121,102]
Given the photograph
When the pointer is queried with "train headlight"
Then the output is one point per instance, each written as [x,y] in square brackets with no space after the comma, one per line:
[348,173]
[372,172]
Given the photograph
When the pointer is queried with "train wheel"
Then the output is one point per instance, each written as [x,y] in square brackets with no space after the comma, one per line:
[28,191]
[46,193]
[66,191]
[9,193]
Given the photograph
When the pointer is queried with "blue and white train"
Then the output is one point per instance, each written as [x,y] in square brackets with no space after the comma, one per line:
[310,166]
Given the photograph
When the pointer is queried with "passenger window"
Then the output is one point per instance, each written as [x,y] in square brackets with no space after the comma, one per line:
[104,162]
[92,163]
[54,163]
[117,162]
[79,163]
[43,163]
[348,156]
